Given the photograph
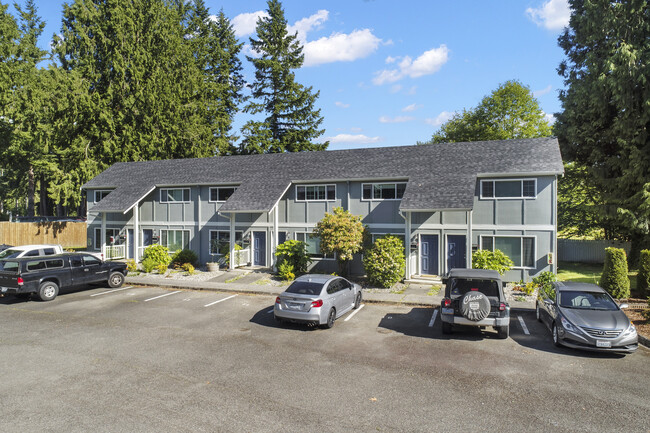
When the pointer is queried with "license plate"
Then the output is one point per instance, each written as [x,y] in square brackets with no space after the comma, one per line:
[294,306]
[447,311]
[4,289]
[600,343]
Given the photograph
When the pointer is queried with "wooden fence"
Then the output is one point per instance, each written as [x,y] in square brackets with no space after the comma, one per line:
[68,234]
[586,251]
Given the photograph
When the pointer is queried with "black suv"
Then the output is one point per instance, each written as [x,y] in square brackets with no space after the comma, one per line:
[45,276]
[475,297]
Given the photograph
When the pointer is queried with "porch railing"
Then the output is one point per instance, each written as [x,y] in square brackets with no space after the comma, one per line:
[112,252]
[242,257]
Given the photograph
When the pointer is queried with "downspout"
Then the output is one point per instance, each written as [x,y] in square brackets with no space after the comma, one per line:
[555,256]
[469,239]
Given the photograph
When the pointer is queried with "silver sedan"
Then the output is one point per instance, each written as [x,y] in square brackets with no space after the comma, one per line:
[317,299]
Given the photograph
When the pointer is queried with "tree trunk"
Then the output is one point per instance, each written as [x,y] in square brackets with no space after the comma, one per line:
[30,192]
[44,208]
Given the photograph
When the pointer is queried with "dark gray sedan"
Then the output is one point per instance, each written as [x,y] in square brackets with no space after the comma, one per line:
[317,299]
[584,316]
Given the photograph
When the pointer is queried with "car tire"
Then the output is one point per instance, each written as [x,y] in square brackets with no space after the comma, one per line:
[537,313]
[446,328]
[556,337]
[331,317]
[503,331]
[115,279]
[278,319]
[357,301]
[47,291]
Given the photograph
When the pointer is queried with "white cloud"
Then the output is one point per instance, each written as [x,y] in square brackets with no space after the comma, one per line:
[553,15]
[411,107]
[544,91]
[440,118]
[341,47]
[349,138]
[427,63]
[397,119]
[341,104]
[244,24]
[412,90]
[395,88]
[550,118]
[390,59]
[356,129]
[305,25]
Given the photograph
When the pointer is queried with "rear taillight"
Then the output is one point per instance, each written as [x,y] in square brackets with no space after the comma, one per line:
[502,307]
[20,281]
[277,300]
[447,302]
[316,304]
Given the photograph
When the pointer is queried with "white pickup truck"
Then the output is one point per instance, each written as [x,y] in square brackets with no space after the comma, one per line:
[36,251]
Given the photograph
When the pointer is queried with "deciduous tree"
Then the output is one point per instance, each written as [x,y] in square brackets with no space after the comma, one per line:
[340,233]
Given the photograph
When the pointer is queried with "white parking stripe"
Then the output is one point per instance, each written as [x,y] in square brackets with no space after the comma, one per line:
[162,296]
[220,300]
[433,318]
[354,312]
[270,310]
[111,291]
[523,325]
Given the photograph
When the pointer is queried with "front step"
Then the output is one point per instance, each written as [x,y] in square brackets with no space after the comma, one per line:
[424,279]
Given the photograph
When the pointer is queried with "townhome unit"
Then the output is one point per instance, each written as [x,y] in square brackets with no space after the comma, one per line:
[442,200]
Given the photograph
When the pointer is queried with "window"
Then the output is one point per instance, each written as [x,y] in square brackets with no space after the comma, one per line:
[313,246]
[315,192]
[54,263]
[114,233]
[35,266]
[220,241]
[521,188]
[521,250]
[91,261]
[75,261]
[169,195]
[383,191]
[219,194]
[100,194]
[49,251]
[175,240]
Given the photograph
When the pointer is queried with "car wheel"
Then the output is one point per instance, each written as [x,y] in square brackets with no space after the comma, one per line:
[446,328]
[48,291]
[539,317]
[116,279]
[331,317]
[503,331]
[357,301]
[556,337]
[278,319]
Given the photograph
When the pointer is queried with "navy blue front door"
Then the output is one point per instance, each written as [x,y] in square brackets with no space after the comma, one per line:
[259,248]
[456,248]
[429,254]
[129,240]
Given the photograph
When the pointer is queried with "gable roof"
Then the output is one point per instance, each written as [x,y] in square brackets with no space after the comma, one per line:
[438,176]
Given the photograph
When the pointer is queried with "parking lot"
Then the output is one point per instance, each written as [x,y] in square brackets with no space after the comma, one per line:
[150,359]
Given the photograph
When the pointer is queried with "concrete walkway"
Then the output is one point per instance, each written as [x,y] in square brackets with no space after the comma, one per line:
[261,283]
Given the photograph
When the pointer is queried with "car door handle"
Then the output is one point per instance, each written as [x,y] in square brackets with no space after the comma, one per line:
[86,270]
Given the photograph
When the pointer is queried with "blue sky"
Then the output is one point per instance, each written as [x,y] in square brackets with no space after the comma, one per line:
[390,72]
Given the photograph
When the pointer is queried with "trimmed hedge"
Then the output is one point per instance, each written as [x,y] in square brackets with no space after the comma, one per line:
[384,262]
[185,256]
[614,278]
[643,279]
[495,260]
[157,254]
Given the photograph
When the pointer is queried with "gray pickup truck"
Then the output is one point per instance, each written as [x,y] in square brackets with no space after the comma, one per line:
[45,276]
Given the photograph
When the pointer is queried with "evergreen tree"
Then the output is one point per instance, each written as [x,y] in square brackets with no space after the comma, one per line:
[604,123]
[291,121]
[510,111]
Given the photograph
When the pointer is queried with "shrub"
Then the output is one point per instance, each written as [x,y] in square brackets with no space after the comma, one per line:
[185,256]
[614,278]
[131,265]
[286,271]
[158,253]
[643,278]
[384,262]
[148,264]
[227,256]
[646,312]
[295,254]
[161,268]
[189,268]
[495,260]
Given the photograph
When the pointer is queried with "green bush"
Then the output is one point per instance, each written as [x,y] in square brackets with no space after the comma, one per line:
[227,256]
[384,262]
[189,268]
[643,278]
[286,271]
[295,254]
[158,254]
[544,281]
[185,256]
[149,264]
[614,278]
[131,265]
[161,268]
[495,260]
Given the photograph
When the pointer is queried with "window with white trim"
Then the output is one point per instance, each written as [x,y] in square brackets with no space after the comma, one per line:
[175,240]
[174,195]
[316,192]
[109,232]
[100,194]
[520,249]
[509,188]
[383,191]
[220,241]
[313,246]
[221,193]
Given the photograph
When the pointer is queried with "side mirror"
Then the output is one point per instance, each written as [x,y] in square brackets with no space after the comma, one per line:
[622,306]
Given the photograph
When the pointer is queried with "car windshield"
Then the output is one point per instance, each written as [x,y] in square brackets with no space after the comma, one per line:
[9,254]
[464,285]
[9,267]
[587,301]
[305,288]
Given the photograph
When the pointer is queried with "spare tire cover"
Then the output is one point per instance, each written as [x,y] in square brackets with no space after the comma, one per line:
[475,306]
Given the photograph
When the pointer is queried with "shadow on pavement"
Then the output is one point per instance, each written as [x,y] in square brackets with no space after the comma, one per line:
[264,318]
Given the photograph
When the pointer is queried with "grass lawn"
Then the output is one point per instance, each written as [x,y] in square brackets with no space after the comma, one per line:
[586,273]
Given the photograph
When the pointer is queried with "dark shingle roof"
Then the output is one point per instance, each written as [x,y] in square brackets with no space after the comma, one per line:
[440,176]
